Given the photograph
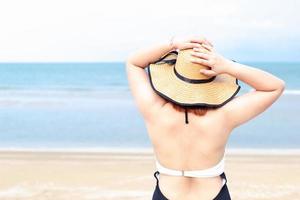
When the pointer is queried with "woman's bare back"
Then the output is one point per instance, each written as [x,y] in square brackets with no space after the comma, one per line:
[198,145]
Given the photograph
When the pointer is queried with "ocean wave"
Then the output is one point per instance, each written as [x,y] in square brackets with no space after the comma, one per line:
[285,92]
[50,93]
[63,97]
[291,92]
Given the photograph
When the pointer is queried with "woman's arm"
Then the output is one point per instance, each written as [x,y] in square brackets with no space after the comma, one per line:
[267,87]
[148,55]
[258,79]
[144,57]
[145,98]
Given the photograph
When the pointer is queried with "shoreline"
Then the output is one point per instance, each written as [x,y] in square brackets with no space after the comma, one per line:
[112,150]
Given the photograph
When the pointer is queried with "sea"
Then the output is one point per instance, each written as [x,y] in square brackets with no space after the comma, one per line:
[89,106]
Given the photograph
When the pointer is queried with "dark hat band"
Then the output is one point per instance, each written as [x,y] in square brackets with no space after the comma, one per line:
[188,80]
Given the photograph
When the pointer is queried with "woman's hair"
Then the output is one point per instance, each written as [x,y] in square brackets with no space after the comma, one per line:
[200,111]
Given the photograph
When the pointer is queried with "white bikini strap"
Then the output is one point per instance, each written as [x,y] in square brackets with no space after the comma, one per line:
[210,172]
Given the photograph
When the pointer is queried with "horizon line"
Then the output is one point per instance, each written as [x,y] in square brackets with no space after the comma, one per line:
[123,61]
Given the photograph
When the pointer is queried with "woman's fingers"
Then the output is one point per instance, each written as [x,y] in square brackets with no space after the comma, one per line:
[201,55]
[201,50]
[209,48]
[190,45]
[201,40]
[206,63]
[208,72]
[209,43]
[200,61]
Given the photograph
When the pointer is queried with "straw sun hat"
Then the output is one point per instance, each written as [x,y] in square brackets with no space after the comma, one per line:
[175,78]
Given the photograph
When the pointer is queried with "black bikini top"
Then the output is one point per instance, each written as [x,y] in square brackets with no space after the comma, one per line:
[186,116]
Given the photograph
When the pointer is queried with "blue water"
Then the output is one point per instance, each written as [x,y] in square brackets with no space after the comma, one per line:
[89,105]
[62,75]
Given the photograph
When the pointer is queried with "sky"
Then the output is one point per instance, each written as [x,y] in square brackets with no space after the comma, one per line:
[97,30]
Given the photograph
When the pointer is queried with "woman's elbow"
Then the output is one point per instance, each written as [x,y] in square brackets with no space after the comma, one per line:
[129,60]
[281,86]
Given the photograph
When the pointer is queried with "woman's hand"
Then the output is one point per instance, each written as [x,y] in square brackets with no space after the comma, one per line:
[190,42]
[206,55]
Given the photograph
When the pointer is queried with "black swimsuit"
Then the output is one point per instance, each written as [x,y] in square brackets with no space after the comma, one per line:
[222,195]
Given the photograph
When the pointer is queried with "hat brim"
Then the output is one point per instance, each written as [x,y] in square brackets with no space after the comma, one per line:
[212,94]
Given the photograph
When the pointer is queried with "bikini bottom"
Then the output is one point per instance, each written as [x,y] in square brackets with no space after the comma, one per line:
[222,195]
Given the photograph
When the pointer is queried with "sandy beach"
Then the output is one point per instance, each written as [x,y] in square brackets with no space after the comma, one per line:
[129,175]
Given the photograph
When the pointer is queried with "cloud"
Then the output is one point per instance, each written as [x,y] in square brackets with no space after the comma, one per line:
[93,30]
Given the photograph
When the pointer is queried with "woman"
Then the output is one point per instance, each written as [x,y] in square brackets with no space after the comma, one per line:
[190,153]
